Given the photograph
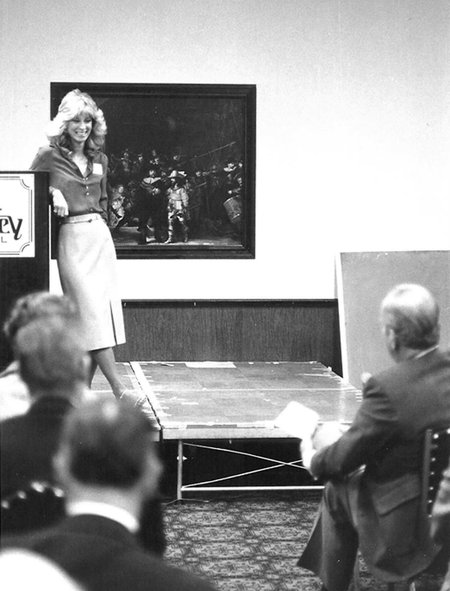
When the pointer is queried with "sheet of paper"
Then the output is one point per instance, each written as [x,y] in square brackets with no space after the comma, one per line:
[297,420]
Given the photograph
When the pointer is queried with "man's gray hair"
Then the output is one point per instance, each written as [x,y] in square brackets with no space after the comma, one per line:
[411,311]
[51,356]
[38,304]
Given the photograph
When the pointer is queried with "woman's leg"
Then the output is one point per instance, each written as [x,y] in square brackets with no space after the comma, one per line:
[104,358]
[92,370]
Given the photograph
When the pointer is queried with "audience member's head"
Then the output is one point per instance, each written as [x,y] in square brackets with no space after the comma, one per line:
[51,357]
[108,445]
[15,396]
[410,318]
[23,570]
[40,304]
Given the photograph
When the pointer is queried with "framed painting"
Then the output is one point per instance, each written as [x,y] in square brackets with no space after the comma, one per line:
[181,172]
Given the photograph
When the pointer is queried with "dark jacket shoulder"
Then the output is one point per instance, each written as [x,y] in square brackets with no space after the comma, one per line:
[102,555]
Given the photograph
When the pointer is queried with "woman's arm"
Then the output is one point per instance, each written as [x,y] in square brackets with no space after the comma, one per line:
[43,162]
[60,207]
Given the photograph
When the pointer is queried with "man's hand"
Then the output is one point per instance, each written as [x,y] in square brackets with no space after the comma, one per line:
[307,451]
[325,434]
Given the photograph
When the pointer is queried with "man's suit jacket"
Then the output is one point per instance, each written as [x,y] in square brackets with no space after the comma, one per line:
[28,442]
[104,556]
[398,405]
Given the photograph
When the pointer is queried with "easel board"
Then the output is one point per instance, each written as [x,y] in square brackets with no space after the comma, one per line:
[364,278]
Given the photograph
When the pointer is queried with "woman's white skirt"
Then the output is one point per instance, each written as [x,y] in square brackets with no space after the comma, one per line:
[87,269]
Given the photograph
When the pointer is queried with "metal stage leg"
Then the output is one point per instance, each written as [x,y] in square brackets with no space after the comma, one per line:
[180,470]
[199,486]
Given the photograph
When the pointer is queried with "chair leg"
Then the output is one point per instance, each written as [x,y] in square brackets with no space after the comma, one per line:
[356,586]
[356,582]
[411,586]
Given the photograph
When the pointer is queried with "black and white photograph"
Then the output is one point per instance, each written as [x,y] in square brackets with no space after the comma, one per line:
[225,295]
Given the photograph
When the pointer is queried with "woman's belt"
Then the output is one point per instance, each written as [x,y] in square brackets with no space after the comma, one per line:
[82,218]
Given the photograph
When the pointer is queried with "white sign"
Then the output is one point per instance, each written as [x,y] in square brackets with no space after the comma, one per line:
[17,238]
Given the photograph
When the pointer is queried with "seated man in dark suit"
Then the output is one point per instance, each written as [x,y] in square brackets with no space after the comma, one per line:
[54,367]
[372,496]
[108,465]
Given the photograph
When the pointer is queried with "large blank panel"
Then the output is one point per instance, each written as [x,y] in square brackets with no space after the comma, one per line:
[364,278]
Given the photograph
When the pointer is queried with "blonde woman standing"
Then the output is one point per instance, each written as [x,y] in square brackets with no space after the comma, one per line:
[85,252]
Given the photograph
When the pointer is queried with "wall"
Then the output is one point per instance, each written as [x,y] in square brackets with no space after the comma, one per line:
[352,120]
[221,330]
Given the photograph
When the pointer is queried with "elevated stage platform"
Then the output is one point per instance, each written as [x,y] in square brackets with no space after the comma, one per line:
[224,407]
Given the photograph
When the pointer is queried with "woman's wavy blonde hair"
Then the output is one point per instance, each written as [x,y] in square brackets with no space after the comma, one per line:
[73,104]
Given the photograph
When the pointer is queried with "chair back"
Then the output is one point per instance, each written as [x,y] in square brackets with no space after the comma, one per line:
[38,505]
[436,455]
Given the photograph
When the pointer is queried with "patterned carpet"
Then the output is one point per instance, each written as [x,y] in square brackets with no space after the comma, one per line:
[251,543]
[242,544]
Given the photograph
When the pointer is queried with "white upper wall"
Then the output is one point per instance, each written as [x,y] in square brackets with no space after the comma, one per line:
[353,120]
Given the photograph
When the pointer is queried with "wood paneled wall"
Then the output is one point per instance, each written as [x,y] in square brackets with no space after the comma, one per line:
[232,330]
